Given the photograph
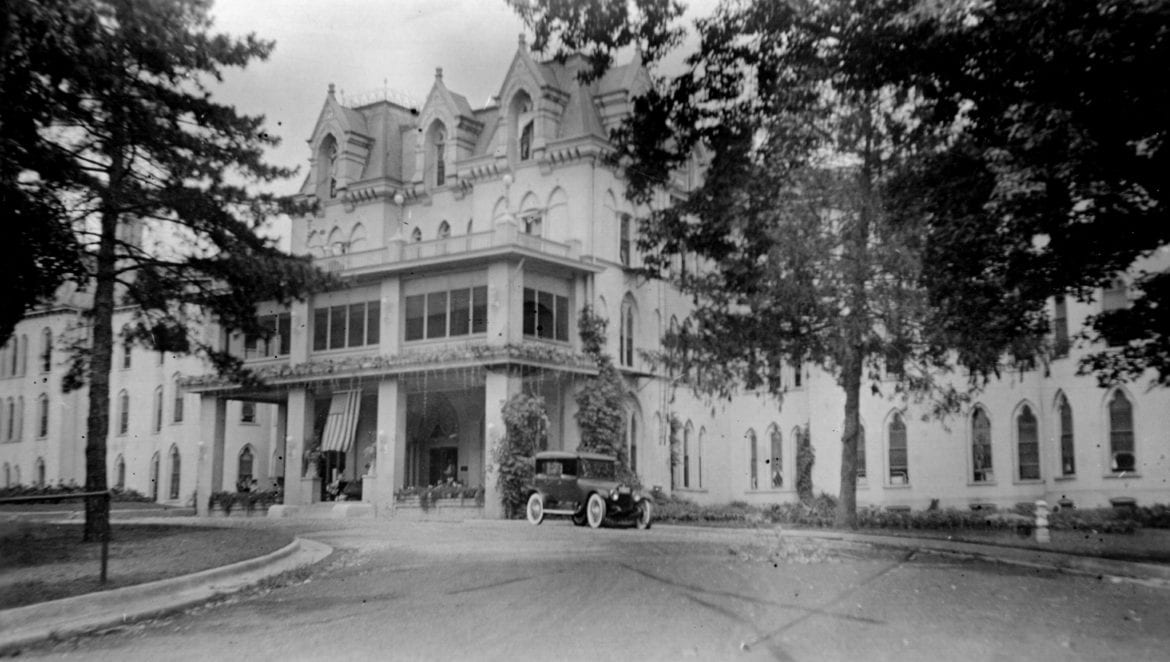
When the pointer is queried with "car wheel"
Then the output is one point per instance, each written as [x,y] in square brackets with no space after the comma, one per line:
[579,517]
[644,513]
[595,510]
[535,509]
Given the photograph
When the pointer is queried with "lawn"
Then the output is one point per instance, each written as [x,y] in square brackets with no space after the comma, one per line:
[42,561]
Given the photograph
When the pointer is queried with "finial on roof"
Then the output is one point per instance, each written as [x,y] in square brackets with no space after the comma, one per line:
[331,89]
[438,73]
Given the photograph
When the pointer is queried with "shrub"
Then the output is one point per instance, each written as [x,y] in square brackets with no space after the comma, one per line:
[526,425]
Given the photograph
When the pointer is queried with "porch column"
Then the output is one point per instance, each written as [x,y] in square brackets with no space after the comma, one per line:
[498,387]
[209,459]
[299,488]
[390,461]
[280,443]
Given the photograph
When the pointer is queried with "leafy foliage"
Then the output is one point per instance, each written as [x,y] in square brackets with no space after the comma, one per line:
[1050,184]
[805,458]
[123,145]
[526,423]
[601,400]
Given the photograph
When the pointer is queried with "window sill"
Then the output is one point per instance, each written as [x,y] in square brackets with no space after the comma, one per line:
[903,486]
[1121,475]
[249,423]
[1028,481]
[1061,479]
[982,483]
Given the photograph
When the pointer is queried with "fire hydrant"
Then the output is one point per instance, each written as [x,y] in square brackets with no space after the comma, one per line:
[1042,522]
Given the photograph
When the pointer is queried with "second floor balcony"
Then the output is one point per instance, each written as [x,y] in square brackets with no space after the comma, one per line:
[401,254]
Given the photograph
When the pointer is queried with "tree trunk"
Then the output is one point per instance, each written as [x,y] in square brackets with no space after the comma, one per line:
[847,500]
[97,510]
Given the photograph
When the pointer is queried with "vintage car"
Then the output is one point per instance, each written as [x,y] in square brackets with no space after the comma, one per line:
[585,487]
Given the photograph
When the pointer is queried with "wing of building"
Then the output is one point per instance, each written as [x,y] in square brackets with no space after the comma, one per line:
[469,241]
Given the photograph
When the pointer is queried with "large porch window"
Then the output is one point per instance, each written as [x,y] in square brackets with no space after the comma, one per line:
[546,315]
[352,325]
[448,313]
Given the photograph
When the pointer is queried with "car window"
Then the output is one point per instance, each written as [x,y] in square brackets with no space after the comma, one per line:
[597,469]
[549,468]
[569,467]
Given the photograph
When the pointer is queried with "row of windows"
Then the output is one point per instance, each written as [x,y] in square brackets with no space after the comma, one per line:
[14,355]
[1122,457]
[352,325]
[449,313]
[546,315]
[122,420]
[12,474]
[278,342]
[12,418]
[155,461]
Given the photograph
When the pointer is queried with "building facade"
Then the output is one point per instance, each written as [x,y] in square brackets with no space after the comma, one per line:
[469,240]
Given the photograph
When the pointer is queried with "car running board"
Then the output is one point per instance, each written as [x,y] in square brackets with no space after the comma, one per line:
[560,512]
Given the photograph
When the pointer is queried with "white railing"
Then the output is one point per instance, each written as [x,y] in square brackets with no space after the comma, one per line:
[503,235]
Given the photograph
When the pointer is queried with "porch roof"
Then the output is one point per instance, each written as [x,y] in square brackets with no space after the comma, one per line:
[283,375]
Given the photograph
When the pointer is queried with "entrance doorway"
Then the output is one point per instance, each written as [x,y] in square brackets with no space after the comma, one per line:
[444,465]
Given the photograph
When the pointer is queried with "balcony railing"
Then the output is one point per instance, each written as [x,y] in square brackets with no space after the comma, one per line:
[399,251]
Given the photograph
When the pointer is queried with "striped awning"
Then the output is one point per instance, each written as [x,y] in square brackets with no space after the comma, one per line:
[342,421]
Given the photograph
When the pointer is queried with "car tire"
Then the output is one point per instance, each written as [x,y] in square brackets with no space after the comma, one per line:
[535,508]
[579,518]
[645,512]
[595,510]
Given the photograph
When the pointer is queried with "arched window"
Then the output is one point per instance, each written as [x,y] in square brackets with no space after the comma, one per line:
[157,413]
[981,464]
[522,127]
[625,234]
[1028,445]
[14,360]
[526,133]
[20,418]
[357,238]
[416,235]
[699,458]
[23,355]
[39,469]
[444,230]
[1068,462]
[469,225]
[177,405]
[1060,341]
[688,430]
[46,350]
[154,474]
[776,461]
[16,473]
[754,461]
[10,432]
[123,412]
[7,475]
[626,333]
[174,494]
[120,473]
[632,439]
[439,150]
[245,466]
[337,243]
[43,416]
[327,168]
[898,447]
[1121,447]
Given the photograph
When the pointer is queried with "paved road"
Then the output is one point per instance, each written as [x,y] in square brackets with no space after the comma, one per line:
[509,591]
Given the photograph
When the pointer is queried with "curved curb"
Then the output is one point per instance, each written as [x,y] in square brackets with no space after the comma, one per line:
[58,619]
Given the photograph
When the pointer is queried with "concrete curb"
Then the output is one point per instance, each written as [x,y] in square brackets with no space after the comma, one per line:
[1129,571]
[67,617]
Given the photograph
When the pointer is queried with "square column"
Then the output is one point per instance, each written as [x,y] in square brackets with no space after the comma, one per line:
[299,488]
[498,387]
[391,458]
[505,302]
[209,460]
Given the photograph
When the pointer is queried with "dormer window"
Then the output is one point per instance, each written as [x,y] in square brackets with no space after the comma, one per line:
[436,154]
[333,170]
[327,168]
[526,141]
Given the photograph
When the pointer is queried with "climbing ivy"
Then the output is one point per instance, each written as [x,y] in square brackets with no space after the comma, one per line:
[526,425]
[805,457]
[601,400]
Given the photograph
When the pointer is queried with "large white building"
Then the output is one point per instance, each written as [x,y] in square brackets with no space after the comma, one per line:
[469,240]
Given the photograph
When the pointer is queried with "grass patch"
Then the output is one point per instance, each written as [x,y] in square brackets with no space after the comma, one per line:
[40,561]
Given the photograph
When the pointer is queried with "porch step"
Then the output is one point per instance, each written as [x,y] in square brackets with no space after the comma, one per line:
[328,510]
